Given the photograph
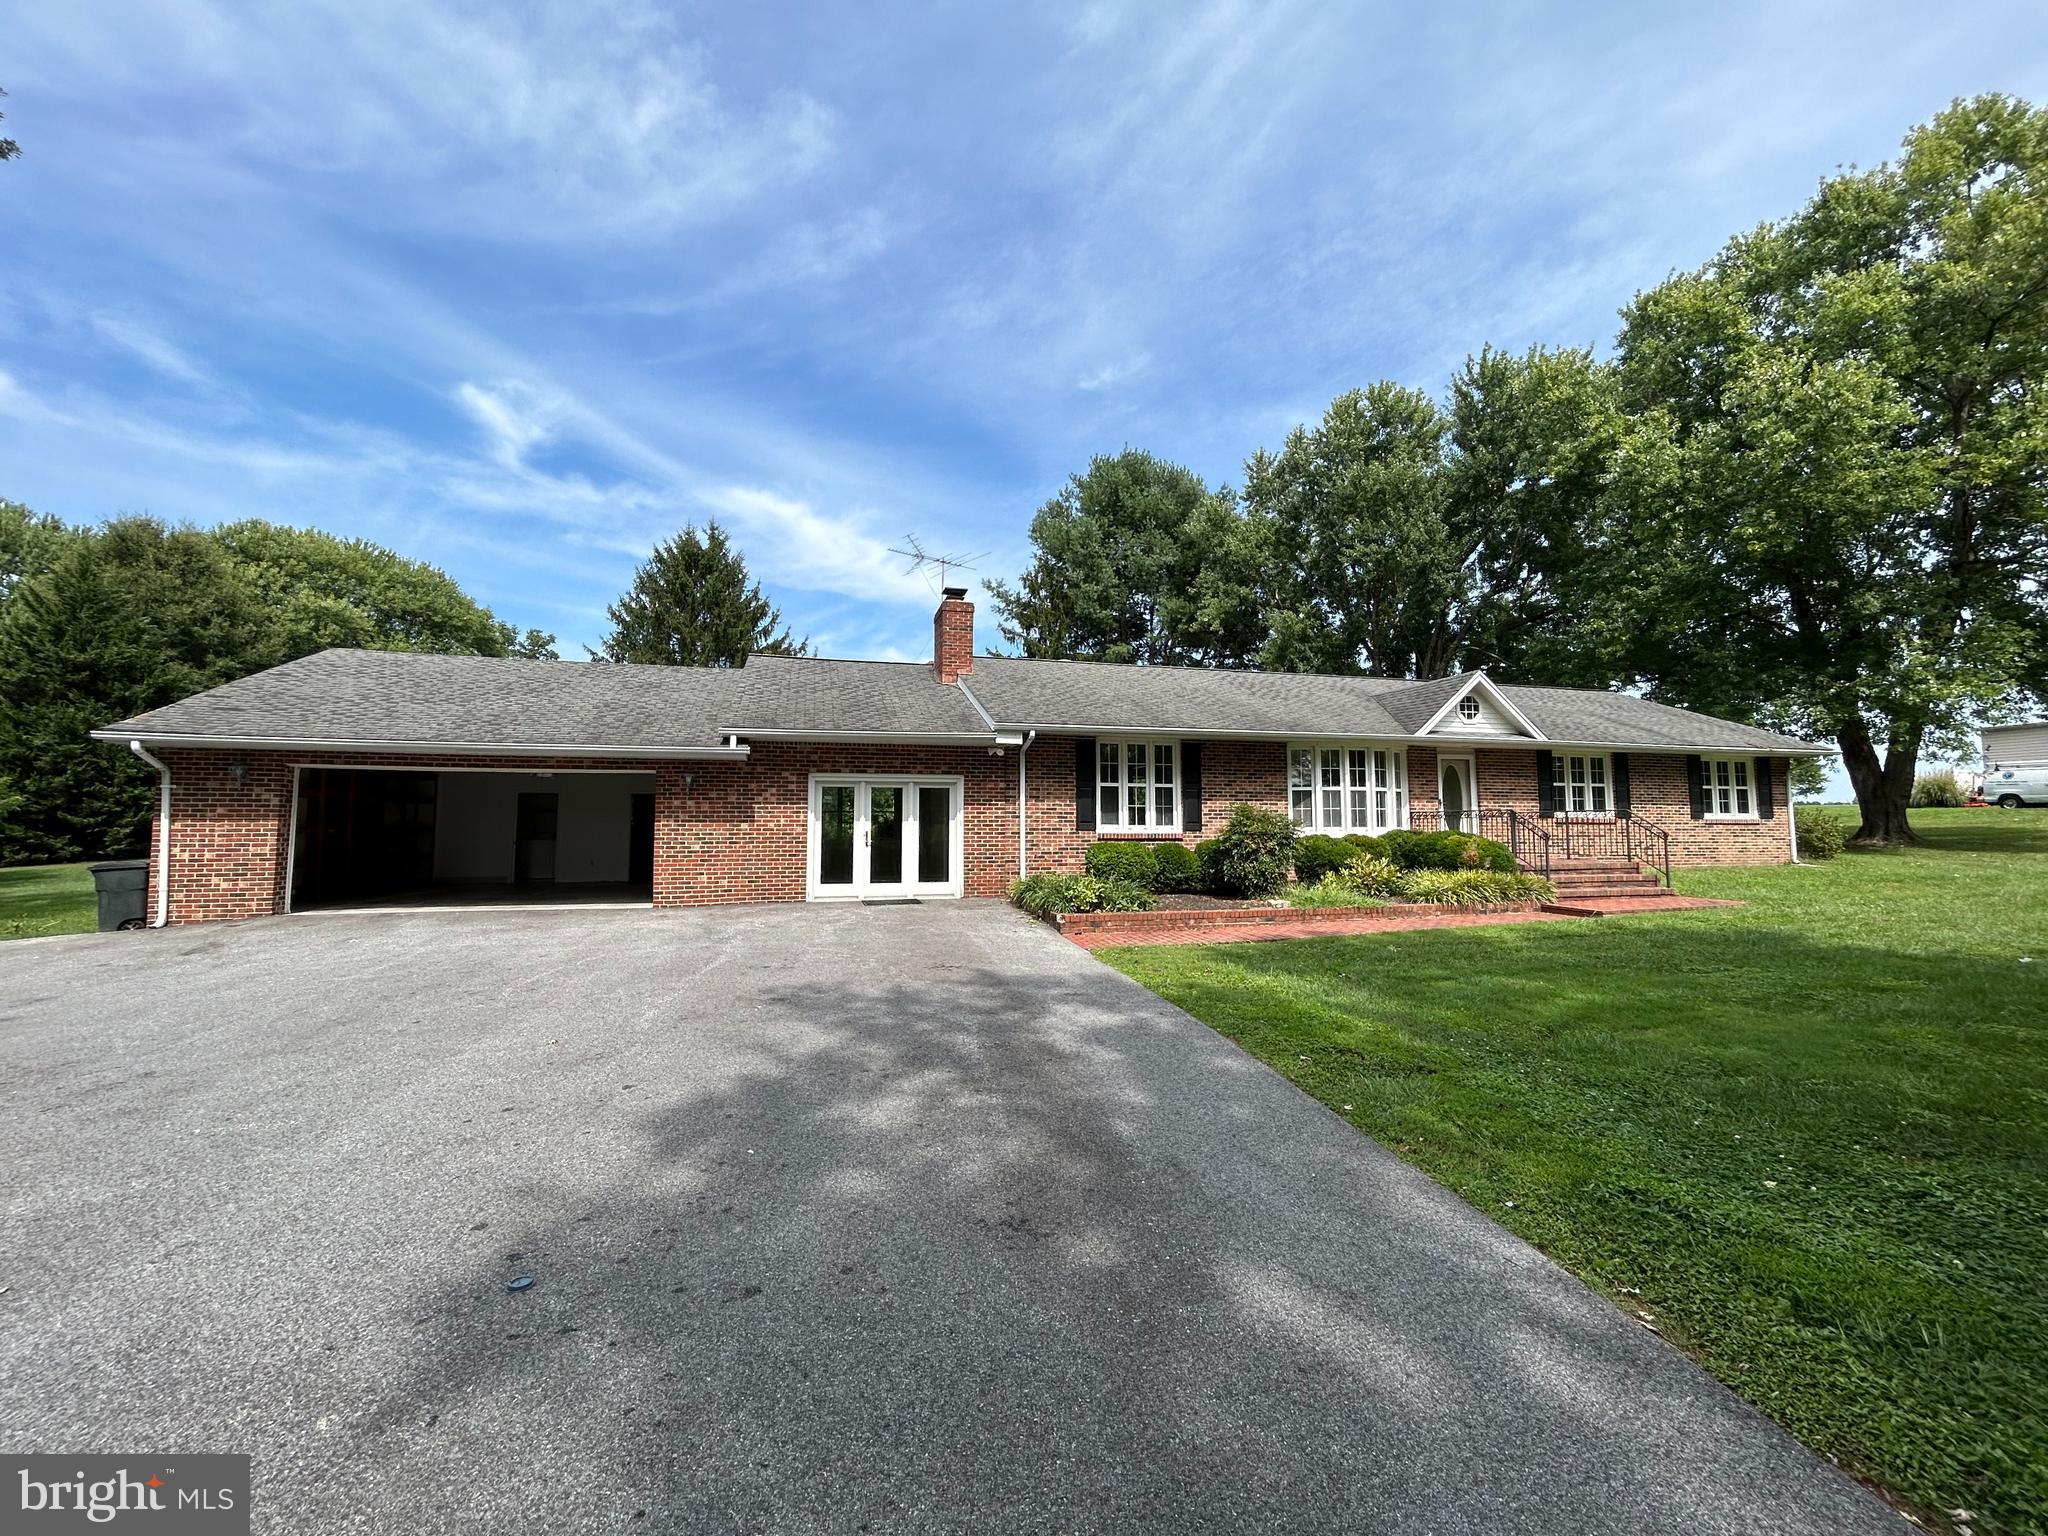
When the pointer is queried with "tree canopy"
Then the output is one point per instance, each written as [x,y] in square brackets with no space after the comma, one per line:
[99,624]
[693,604]
[1137,560]
[1808,490]
[1830,505]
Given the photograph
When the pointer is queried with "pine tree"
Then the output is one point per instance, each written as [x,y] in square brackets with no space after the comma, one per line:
[693,605]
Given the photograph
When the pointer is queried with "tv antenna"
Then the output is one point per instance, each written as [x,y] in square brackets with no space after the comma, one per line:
[920,559]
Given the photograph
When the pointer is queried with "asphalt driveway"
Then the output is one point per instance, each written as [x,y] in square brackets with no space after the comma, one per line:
[887,1219]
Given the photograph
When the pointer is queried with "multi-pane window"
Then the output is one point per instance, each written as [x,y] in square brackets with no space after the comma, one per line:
[1580,788]
[1724,785]
[1333,787]
[1137,787]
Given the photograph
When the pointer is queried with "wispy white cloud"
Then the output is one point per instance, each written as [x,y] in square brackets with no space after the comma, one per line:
[1114,373]
[153,349]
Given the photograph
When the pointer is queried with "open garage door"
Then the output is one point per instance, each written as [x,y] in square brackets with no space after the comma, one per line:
[403,838]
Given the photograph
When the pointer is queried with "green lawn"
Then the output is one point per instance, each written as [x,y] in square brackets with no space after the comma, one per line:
[1808,1137]
[48,898]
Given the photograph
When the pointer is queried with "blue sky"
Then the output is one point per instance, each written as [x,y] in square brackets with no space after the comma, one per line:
[519,291]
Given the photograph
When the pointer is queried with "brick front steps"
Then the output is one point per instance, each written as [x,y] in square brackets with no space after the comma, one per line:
[1605,906]
[1239,925]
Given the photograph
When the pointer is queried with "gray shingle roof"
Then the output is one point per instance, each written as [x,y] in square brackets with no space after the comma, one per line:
[828,698]
[405,699]
[1588,717]
[1414,705]
[1093,695]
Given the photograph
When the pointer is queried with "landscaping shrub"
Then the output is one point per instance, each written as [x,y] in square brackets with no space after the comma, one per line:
[1134,862]
[1471,887]
[1362,843]
[1370,875]
[1332,890]
[1317,855]
[1180,869]
[1822,835]
[1209,856]
[1255,854]
[1045,895]
[1447,851]
[1938,789]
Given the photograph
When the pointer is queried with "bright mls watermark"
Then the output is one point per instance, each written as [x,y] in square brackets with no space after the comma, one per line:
[157,1495]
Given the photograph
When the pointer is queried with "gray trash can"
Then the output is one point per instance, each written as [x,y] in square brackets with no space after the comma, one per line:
[123,885]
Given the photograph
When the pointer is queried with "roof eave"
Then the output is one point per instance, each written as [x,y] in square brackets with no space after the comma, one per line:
[412,748]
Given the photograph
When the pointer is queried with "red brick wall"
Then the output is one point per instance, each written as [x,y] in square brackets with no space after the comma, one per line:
[1233,772]
[737,830]
[1238,771]
[1657,792]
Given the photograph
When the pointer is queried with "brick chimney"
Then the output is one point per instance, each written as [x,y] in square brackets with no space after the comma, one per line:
[953,636]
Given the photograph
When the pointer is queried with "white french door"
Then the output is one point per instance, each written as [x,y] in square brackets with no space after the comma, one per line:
[874,837]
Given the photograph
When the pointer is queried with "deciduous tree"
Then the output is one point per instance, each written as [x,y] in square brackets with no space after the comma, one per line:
[1831,507]
[1136,560]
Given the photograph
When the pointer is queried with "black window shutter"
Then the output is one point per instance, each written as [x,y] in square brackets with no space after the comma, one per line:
[1084,783]
[1762,770]
[1191,786]
[1546,778]
[1617,767]
[1695,776]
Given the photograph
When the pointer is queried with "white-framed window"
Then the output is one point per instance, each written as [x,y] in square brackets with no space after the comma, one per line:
[1137,784]
[1581,785]
[1335,786]
[1725,787]
[1468,708]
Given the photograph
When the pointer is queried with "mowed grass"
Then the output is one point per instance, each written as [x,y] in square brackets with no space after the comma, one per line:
[45,899]
[1807,1138]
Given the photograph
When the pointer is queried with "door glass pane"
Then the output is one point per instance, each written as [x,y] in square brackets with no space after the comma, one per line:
[885,834]
[934,834]
[835,834]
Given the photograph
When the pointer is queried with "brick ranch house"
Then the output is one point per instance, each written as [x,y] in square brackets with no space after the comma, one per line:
[375,777]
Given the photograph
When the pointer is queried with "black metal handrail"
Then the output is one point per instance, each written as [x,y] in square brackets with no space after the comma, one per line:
[1620,836]
[1529,843]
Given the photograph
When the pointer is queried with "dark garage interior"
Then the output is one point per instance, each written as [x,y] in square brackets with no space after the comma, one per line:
[378,837]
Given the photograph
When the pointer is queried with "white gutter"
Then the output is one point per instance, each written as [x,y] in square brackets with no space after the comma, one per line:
[1023,846]
[421,748]
[1449,739]
[1791,813]
[163,833]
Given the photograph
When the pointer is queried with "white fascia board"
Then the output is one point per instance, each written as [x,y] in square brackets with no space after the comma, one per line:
[907,738]
[1200,733]
[416,748]
[1481,683]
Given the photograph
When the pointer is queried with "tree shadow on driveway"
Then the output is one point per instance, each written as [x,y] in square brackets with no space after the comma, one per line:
[1017,1245]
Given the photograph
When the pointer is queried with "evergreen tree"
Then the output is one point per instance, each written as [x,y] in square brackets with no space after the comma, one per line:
[124,621]
[694,605]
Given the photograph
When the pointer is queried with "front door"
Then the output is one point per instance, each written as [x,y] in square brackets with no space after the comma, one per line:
[876,838]
[1456,795]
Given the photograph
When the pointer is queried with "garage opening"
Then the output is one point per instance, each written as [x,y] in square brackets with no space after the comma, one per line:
[366,837]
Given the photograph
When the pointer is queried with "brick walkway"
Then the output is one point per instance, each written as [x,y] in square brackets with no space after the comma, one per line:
[1369,921]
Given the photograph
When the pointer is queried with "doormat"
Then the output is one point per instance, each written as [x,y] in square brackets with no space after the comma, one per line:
[892,901]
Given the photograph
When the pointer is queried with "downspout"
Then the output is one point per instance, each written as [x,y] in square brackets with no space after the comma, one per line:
[163,834]
[1023,844]
[1791,813]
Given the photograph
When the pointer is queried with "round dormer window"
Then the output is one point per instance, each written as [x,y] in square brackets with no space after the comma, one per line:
[1468,708]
